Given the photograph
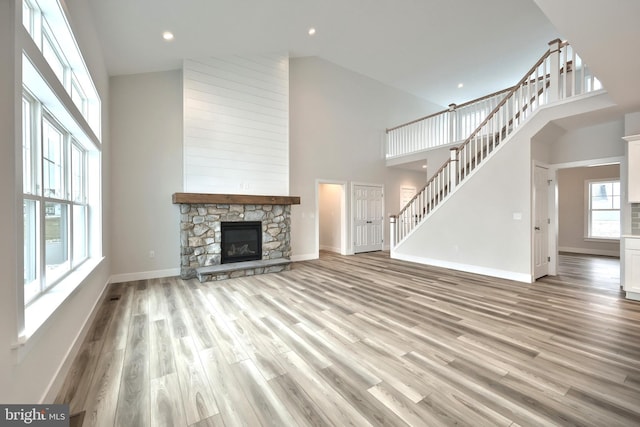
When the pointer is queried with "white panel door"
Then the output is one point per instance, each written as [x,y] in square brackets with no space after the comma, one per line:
[540,223]
[368,218]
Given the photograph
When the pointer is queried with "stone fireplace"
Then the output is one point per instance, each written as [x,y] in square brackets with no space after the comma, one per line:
[224,235]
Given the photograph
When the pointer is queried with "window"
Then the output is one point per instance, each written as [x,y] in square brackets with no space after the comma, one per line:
[49,29]
[604,209]
[78,96]
[27,16]
[60,209]
[61,164]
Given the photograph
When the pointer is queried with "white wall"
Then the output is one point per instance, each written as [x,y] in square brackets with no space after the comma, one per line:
[236,121]
[572,210]
[32,374]
[582,144]
[589,142]
[146,138]
[9,133]
[337,123]
[475,229]
[330,210]
[632,123]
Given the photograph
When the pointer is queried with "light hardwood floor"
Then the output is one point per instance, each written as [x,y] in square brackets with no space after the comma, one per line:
[362,340]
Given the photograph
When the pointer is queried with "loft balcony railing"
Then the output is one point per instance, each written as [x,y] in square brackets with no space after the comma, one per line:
[559,74]
[455,124]
[445,127]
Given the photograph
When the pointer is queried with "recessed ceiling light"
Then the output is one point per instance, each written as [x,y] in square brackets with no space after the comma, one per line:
[424,166]
[167,35]
[460,85]
[312,31]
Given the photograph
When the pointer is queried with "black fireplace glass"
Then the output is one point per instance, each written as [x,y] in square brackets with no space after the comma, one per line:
[241,241]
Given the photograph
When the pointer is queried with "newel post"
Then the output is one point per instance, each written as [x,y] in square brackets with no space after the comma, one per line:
[453,169]
[392,231]
[554,70]
[453,119]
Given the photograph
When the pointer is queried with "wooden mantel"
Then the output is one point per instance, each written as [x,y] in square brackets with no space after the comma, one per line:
[233,199]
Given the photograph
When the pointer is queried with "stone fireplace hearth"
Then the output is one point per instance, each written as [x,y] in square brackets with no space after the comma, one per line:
[201,216]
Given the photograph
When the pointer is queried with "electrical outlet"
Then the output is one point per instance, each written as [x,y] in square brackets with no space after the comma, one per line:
[152,254]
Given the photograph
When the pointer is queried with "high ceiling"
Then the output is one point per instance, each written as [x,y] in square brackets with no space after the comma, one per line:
[606,34]
[424,47]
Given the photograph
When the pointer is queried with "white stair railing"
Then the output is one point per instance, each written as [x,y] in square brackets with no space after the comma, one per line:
[558,75]
[442,128]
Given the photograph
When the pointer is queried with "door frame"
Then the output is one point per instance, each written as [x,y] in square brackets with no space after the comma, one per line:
[553,203]
[353,218]
[343,216]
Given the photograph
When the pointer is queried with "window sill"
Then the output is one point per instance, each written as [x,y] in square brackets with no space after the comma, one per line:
[40,311]
[602,239]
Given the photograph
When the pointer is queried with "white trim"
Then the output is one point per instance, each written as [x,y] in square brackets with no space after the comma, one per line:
[586,251]
[38,313]
[613,240]
[552,204]
[587,163]
[330,249]
[476,269]
[144,275]
[589,210]
[344,224]
[304,257]
[635,296]
[553,168]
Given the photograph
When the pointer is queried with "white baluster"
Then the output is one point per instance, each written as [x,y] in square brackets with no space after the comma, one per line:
[453,180]
[554,65]
[393,232]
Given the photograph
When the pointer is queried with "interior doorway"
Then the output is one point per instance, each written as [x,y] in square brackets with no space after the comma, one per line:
[569,235]
[331,225]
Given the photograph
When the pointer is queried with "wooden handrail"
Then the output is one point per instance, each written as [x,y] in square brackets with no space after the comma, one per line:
[504,101]
[416,120]
[527,95]
[482,98]
[511,91]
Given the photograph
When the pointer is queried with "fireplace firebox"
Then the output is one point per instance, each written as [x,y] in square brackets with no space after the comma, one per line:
[241,241]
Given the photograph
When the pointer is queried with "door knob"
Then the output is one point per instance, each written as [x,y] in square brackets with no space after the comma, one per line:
[537,228]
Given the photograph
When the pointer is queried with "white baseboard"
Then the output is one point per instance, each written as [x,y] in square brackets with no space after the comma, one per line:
[330,249]
[144,275]
[303,257]
[585,251]
[502,274]
[635,296]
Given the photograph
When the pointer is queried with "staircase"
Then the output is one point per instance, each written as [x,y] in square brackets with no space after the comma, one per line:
[558,75]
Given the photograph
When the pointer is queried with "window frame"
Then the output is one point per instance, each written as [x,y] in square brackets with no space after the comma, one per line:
[588,231]
[80,118]
[48,23]
[69,200]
